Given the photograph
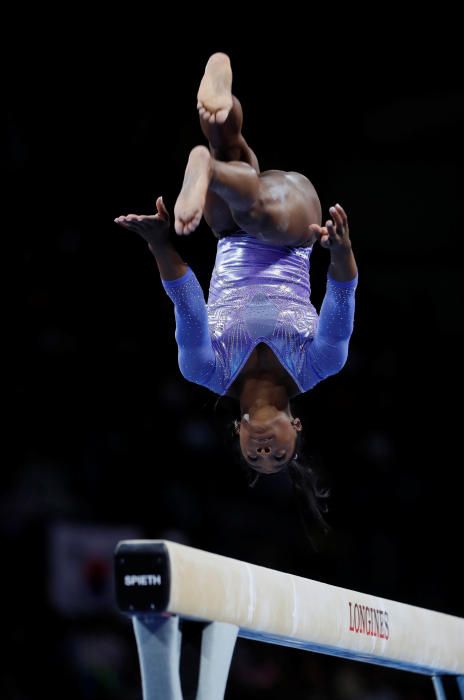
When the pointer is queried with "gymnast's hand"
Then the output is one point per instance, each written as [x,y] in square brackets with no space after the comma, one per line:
[335,235]
[153,228]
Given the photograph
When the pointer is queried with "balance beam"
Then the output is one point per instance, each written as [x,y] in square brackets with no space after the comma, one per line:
[157,579]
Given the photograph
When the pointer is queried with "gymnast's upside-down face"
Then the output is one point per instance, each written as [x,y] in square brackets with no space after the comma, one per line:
[267,444]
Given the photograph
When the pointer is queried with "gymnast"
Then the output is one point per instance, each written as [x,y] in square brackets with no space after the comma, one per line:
[258,339]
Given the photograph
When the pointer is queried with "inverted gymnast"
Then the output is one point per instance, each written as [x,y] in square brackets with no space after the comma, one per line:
[258,339]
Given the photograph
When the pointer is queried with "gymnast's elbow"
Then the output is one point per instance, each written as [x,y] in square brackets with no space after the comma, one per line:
[195,369]
[188,370]
[332,361]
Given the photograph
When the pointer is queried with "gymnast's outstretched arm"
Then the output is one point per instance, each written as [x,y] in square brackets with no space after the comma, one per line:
[196,355]
[328,351]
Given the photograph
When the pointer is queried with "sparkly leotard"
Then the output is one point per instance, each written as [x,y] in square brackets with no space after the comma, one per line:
[260,293]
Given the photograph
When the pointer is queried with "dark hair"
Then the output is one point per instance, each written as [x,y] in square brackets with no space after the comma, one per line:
[310,499]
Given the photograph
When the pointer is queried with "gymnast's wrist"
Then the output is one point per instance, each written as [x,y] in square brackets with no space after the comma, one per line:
[158,246]
[340,252]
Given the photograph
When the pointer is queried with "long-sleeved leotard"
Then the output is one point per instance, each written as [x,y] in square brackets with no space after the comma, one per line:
[260,294]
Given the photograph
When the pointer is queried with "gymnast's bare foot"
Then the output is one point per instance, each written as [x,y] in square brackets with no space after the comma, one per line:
[190,203]
[215,91]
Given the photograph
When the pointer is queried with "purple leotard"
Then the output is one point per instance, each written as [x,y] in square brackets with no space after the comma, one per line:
[260,293]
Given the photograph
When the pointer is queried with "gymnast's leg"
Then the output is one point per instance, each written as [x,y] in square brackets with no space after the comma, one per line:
[225,185]
[221,120]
